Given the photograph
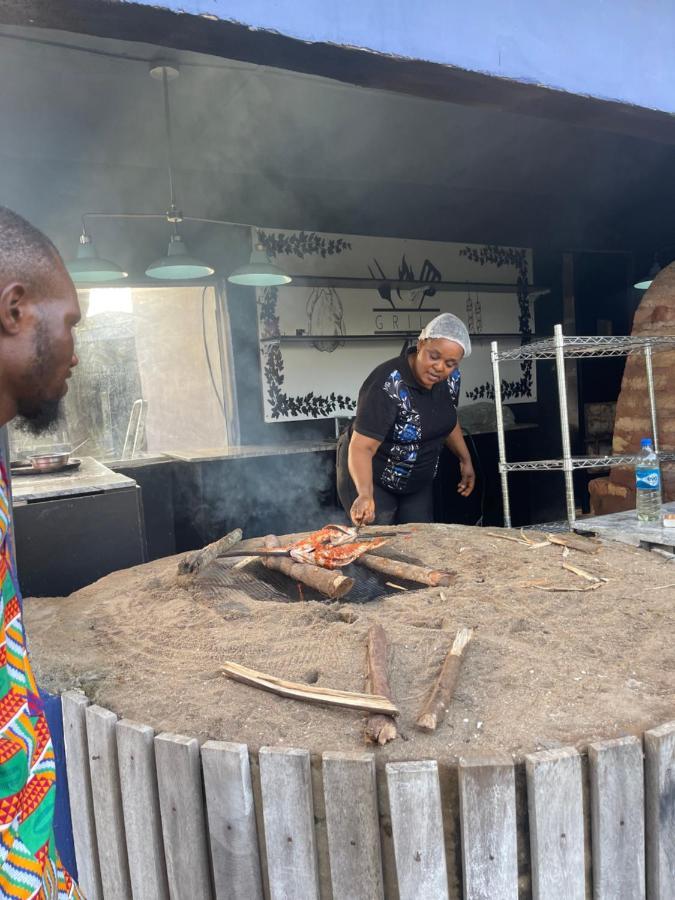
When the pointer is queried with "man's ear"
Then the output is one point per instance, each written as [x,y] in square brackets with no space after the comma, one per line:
[12,310]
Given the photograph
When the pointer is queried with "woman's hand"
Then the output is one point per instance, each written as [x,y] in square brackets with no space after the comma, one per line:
[362,449]
[363,510]
[468,479]
[456,444]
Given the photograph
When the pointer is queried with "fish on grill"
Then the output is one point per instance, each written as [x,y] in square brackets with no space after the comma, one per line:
[334,546]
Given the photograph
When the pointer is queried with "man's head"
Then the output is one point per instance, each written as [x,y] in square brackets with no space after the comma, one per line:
[38,312]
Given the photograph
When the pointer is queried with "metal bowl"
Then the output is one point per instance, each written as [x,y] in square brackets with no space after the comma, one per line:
[49,462]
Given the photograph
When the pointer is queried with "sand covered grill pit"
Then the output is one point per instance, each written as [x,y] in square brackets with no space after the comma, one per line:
[267,808]
[546,667]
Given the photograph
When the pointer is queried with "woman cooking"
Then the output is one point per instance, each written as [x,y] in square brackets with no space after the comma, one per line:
[406,411]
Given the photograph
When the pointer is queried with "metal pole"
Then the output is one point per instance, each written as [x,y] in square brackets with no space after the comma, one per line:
[652,395]
[169,144]
[501,443]
[564,424]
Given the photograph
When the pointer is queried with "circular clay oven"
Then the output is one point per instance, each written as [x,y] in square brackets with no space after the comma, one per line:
[571,661]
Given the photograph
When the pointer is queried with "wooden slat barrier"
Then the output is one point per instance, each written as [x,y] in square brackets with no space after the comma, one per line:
[179,779]
[417,825]
[556,821]
[352,824]
[140,802]
[232,822]
[288,815]
[140,824]
[660,811]
[74,704]
[107,797]
[487,799]
[617,819]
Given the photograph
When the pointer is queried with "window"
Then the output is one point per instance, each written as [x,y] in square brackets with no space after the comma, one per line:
[150,378]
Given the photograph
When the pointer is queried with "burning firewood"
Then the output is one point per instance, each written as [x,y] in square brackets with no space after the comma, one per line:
[437,703]
[199,559]
[407,571]
[379,728]
[330,582]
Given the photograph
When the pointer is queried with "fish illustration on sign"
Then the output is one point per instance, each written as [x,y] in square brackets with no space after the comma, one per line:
[325,316]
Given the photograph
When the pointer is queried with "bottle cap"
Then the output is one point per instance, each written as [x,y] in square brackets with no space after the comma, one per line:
[646,442]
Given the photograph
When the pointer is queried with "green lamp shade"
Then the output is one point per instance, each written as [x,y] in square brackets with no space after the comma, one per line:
[89,268]
[178,265]
[651,275]
[259,271]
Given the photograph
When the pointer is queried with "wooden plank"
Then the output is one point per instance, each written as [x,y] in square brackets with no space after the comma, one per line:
[107,797]
[179,780]
[617,819]
[660,811]
[556,819]
[288,814]
[353,827]
[487,802]
[417,826]
[73,705]
[232,822]
[140,802]
[296,690]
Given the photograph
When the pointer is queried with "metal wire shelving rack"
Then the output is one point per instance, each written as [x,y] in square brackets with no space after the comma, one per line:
[560,348]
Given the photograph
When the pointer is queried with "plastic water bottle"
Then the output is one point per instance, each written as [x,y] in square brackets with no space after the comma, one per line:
[648,485]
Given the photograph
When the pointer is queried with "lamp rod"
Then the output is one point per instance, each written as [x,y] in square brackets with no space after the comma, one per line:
[106,215]
[169,145]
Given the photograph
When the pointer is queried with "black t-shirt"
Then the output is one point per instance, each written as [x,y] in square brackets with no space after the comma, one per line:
[411,422]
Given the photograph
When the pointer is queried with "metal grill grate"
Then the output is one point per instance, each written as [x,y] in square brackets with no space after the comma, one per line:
[261,583]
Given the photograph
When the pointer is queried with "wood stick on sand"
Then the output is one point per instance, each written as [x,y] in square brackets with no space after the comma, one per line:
[197,560]
[407,571]
[310,693]
[576,542]
[379,729]
[437,703]
[330,582]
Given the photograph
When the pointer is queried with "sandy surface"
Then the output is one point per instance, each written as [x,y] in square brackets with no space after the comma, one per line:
[545,669]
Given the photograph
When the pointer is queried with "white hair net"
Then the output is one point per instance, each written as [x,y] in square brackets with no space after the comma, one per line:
[450,328]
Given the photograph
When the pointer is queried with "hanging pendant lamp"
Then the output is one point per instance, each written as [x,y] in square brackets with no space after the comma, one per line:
[646,282]
[178,264]
[89,267]
[259,271]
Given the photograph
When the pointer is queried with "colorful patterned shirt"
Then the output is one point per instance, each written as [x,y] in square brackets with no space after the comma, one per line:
[29,864]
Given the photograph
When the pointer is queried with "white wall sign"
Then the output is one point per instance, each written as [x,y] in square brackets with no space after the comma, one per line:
[321,379]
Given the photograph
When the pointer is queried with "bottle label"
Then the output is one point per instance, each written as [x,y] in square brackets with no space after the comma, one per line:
[647,479]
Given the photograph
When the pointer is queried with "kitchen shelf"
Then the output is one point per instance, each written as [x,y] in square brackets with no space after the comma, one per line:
[386,284]
[579,462]
[365,338]
[560,348]
[585,347]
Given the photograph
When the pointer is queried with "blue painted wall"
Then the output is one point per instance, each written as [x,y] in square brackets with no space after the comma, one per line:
[609,49]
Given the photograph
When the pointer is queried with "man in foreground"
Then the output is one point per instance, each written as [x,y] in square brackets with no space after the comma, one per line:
[38,312]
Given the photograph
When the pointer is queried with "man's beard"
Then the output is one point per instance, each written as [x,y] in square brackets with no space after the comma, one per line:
[36,418]
[36,412]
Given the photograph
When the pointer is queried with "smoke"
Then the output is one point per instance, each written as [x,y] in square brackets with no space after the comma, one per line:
[265,494]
